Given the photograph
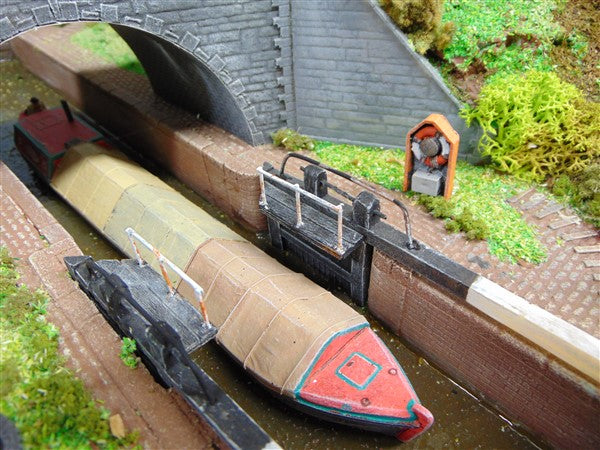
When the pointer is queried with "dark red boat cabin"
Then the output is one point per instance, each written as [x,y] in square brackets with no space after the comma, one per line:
[42,137]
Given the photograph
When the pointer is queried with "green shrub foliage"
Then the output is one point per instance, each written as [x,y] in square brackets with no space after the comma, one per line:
[583,191]
[536,126]
[292,140]
[421,20]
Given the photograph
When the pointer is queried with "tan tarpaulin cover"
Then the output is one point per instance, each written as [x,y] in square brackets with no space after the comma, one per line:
[165,219]
[93,178]
[114,193]
[273,320]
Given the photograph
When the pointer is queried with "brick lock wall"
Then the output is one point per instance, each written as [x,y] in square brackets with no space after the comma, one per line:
[526,384]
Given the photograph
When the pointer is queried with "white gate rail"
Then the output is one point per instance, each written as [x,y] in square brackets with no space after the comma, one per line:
[339,209]
[198,291]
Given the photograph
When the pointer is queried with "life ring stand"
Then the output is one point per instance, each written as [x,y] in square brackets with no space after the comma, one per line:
[434,123]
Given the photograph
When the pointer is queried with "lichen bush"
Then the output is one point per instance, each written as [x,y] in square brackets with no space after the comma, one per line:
[536,126]
[421,20]
[50,406]
[292,140]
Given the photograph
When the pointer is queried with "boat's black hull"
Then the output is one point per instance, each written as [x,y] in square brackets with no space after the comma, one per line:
[165,342]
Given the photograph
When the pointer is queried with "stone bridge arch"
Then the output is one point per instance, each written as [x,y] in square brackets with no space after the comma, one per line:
[215,59]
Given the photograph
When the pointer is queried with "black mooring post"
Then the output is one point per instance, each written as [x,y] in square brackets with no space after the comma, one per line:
[67,110]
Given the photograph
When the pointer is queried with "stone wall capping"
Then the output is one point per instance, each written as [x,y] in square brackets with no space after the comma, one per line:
[109,13]
[43,15]
[7,30]
[69,11]
[90,15]
[570,344]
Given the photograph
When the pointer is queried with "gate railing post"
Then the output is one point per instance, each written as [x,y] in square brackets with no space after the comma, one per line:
[340,228]
[298,192]
[299,222]
[198,291]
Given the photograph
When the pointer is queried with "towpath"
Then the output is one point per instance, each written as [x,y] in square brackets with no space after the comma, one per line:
[566,284]
[32,234]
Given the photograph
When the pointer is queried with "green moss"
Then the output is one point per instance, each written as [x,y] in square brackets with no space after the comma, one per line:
[478,205]
[127,354]
[382,166]
[47,403]
[105,42]
[292,140]
[536,126]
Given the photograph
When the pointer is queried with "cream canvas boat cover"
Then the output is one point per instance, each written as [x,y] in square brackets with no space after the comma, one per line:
[272,320]
[167,220]
[114,193]
[92,179]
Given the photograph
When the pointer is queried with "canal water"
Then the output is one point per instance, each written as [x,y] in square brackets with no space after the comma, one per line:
[461,421]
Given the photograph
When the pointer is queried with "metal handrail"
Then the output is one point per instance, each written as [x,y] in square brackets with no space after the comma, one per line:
[298,191]
[198,291]
[411,244]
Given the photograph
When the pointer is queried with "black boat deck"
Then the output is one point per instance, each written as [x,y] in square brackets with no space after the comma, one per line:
[137,303]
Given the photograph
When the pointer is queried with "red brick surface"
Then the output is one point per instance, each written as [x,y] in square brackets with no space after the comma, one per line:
[91,344]
[521,380]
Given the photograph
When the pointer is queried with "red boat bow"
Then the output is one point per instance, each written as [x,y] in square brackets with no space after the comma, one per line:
[357,379]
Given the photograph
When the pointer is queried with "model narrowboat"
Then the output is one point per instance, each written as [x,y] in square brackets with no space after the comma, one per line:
[297,339]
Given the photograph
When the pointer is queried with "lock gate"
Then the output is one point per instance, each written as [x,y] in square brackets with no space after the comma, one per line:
[333,238]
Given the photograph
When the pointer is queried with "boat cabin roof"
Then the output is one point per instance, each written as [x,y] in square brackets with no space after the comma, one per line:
[52,130]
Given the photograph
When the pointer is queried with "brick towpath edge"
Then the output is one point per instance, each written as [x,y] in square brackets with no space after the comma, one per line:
[33,235]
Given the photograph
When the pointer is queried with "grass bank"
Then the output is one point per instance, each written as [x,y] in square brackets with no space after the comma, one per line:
[47,402]
[480,193]
[105,42]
